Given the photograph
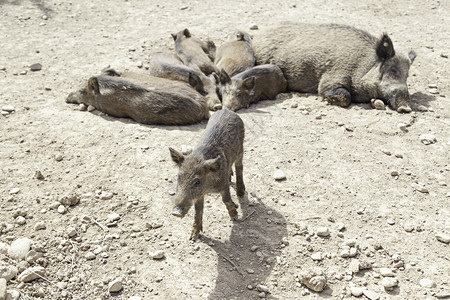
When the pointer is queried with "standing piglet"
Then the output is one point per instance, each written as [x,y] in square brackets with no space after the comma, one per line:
[263,82]
[343,64]
[170,66]
[235,56]
[207,169]
[195,53]
[145,99]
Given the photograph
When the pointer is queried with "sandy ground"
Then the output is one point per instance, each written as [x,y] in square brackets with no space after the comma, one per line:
[338,163]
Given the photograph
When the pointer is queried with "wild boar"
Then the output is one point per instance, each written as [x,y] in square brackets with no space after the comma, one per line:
[262,82]
[152,100]
[207,169]
[235,56]
[343,64]
[195,53]
[170,66]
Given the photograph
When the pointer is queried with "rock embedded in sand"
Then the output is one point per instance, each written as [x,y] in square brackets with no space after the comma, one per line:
[313,279]
[19,248]
[443,237]
[279,175]
[115,286]
[323,231]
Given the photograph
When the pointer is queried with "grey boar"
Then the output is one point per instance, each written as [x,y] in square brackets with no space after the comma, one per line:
[151,100]
[263,82]
[235,56]
[207,169]
[195,53]
[170,66]
[343,64]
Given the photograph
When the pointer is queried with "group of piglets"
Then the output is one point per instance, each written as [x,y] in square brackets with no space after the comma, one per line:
[342,64]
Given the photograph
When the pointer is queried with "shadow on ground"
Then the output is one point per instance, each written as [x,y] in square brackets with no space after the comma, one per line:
[249,256]
[38,3]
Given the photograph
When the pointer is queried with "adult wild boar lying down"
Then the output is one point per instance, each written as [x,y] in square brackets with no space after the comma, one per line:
[343,64]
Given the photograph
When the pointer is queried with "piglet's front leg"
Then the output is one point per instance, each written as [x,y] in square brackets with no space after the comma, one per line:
[198,219]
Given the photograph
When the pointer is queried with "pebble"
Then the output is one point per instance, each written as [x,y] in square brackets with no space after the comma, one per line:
[113,217]
[115,286]
[279,175]
[377,104]
[36,67]
[3,248]
[2,68]
[422,108]
[71,232]
[371,295]
[90,108]
[8,272]
[38,175]
[433,91]
[313,279]
[394,173]
[157,254]
[408,227]
[186,149]
[354,266]
[253,27]
[20,220]
[432,86]
[12,295]
[390,221]
[8,108]
[419,188]
[82,107]
[2,289]
[59,157]
[427,139]
[106,195]
[427,283]
[386,272]
[442,295]
[365,265]
[62,209]
[31,274]
[402,126]
[250,271]
[317,256]
[389,283]
[353,251]
[349,243]
[262,288]
[443,237]
[356,291]
[323,231]
[89,256]
[14,191]
[139,64]
[19,248]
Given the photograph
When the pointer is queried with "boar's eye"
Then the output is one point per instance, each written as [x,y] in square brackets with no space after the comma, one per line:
[203,92]
[197,182]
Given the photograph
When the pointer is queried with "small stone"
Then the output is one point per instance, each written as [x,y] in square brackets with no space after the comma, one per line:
[21,220]
[390,221]
[394,173]
[294,105]
[389,283]
[184,7]
[31,274]
[157,254]
[250,271]
[62,209]
[71,231]
[89,256]
[2,68]
[14,191]
[139,64]
[8,108]
[113,217]
[8,272]
[353,251]
[317,256]
[323,232]
[427,283]
[419,188]
[432,86]
[433,91]
[349,243]
[313,279]
[371,295]
[408,227]
[90,108]
[356,291]
[387,152]
[59,157]
[427,139]
[262,288]
[253,27]
[24,72]
[442,295]
[106,195]
[3,248]
[386,272]
[345,253]
[2,289]
[38,175]
[19,248]
[365,265]
[36,67]
[422,108]
[443,237]
[402,126]
[69,200]
[377,104]
[82,107]
[186,149]
[354,266]
[115,286]
[279,175]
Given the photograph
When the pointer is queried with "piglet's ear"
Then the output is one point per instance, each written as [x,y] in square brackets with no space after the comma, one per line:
[177,157]
[412,55]
[93,86]
[174,36]
[249,83]
[385,48]
[224,77]
[212,165]
[187,33]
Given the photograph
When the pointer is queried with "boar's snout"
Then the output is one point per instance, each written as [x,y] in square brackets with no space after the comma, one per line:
[398,98]
[178,212]
[404,109]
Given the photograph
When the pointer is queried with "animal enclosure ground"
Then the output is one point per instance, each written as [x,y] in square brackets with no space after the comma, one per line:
[364,174]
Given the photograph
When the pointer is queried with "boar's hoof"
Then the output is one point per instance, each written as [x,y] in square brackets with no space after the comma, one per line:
[339,100]
[217,106]
[194,235]
[404,109]
[178,212]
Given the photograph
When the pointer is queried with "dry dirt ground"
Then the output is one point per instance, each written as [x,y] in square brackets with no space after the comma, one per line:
[338,163]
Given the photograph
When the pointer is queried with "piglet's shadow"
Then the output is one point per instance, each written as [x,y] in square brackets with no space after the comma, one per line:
[419,98]
[250,254]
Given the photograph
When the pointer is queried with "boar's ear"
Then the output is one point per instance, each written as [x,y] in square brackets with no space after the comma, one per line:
[111,72]
[385,48]
[92,86]
[223,77]
[212,164]
[412,55]
[177,157]
[249,83]
[186,32]
[215,77]
[174,36]
[195,81]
